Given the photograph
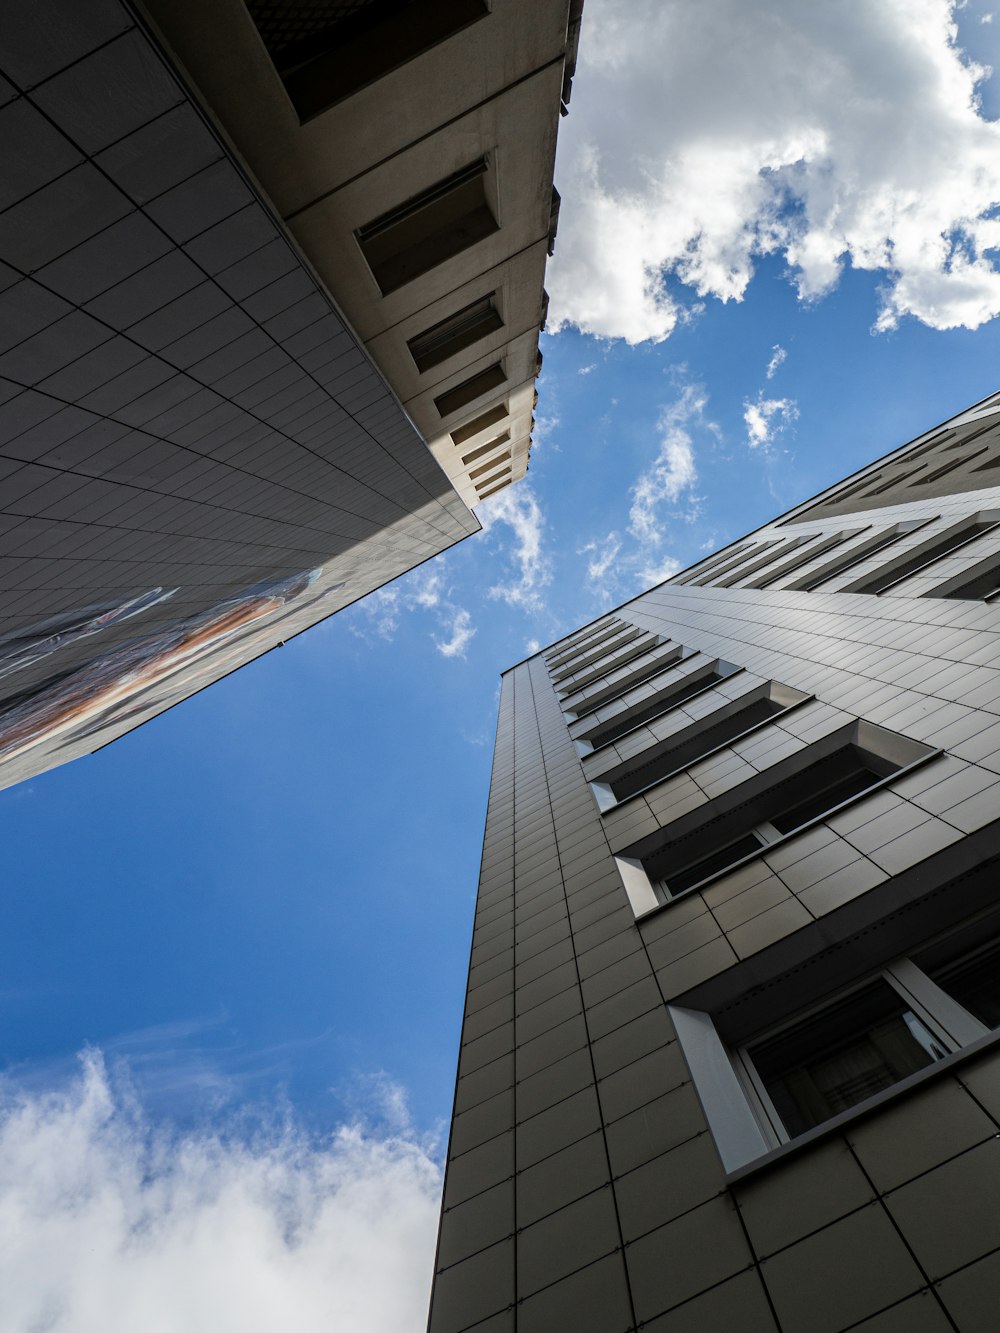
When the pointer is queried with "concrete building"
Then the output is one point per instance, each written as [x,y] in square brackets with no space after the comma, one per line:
[256,258]
[730,1052]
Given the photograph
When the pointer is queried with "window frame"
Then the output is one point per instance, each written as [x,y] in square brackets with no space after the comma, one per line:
[747,1128]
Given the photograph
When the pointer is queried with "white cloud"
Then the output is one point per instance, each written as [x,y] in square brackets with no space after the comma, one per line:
[112,1226]
[703,137]
[620,562]
[672,471]
[585,370]
[380,613]
[766,418]
[518,509]
[778,356]
[461,632]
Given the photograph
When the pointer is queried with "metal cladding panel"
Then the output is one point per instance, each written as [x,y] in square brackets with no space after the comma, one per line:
[197,458]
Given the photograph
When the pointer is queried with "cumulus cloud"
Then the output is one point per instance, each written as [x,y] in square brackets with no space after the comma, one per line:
[704,137]
[622,561]
[112,1225]
[517,509]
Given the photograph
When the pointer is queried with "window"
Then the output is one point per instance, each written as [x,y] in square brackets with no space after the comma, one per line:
[615,688]
[325,50]
[606,639]
[469,390]
[568,646]
[428,229]
[454,334]
[841,1056]
[615,663]
[847,1052]
[654,706]
[764,811]
[848,559]
[685,747]
[711,562]
[981,582]
[485,494]
[948,467]
[489,466]
[925,554]
[783,547]
[745,553]
[593,653]
[803,558]
[484,449]
[478,424]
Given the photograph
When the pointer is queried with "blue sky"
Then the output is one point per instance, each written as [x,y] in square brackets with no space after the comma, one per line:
[258,906]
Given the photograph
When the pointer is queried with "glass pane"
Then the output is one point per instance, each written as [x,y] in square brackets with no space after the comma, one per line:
[859,1046]
[975,984]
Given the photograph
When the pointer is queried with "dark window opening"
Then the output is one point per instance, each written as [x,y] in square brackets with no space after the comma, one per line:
[325,50]
[979,584]
[659,703]
[488,467]
[848,559]
[850,1051]
[485,495]
[925,554]
[469,390]
[484,449]
[689,746]
[454,334]
[766,818]
[429,229]
[490,417]
[606,668]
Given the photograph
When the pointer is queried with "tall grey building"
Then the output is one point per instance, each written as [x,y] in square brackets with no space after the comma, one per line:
[270,295]
[730,1052]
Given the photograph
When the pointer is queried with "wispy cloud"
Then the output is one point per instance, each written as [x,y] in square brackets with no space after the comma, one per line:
[113,1224]
[622,561]
[462,632]
[518,510]
[378,616]
[712,136]
[778,357]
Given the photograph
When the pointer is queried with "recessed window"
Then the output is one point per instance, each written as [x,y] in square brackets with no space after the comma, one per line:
[627,655]
[488,467]
[802,558]
[485,381]
[485,495]
[604,629]
[703,738]
[653,706]
[490,417]
[429,228]
[593,653]
[843,1055]
[711,562]
[606,642]
[783,547]
[953,466]
[484,449]
[325,52]
[454,334]
[927,553]
[745,553]
[484,487]
[848,559]
[846,1053]
[766,810]
[980,583]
